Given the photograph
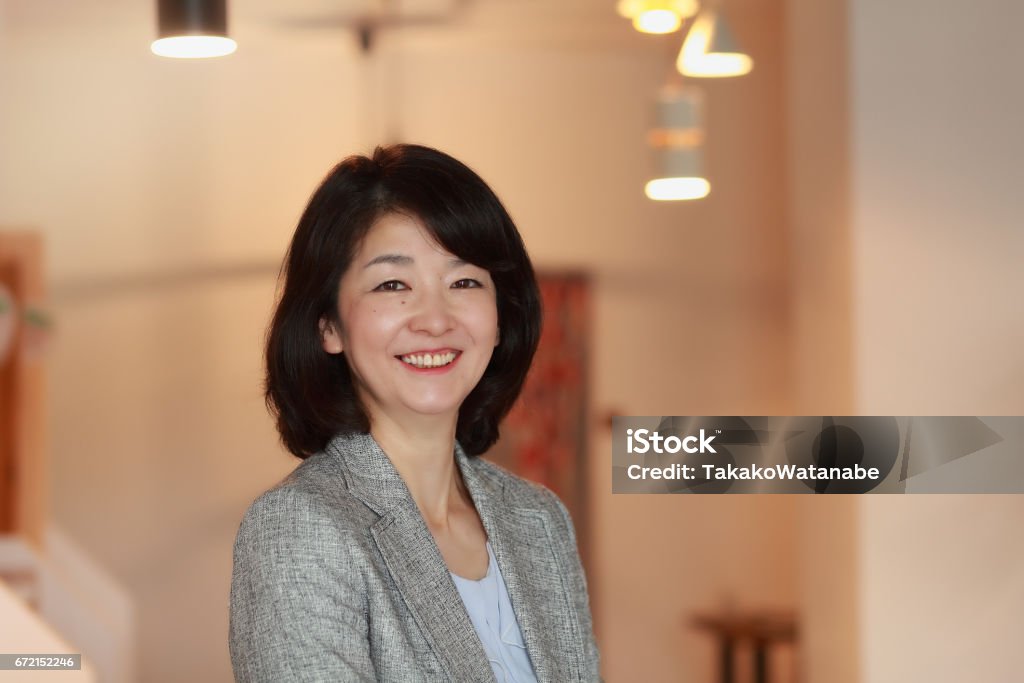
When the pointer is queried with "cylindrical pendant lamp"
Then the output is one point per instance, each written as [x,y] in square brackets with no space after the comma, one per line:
[193,29]
[677,144]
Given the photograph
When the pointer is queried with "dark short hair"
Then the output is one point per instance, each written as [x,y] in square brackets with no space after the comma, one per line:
[310,392]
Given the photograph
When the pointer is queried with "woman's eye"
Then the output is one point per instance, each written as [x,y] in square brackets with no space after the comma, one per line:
[466,283]
[390,286]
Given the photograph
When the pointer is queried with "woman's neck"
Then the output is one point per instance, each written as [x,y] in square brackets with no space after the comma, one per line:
[424,457]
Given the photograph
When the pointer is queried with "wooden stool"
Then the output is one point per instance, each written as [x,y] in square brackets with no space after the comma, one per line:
[762,629]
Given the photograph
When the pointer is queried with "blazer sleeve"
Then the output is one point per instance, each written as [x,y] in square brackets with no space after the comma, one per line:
[581,598]
[298,604]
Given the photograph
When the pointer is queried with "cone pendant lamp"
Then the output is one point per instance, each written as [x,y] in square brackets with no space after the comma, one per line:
[710,50]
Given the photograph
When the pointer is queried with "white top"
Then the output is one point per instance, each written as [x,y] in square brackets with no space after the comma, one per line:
[490,610]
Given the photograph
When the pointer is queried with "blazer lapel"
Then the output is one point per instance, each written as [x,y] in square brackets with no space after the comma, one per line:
[413,559]
[523,545]
[423,580]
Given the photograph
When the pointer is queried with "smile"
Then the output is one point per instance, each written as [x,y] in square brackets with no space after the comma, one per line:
[429,360]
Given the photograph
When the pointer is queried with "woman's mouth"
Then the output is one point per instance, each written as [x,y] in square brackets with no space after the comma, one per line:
[425,361]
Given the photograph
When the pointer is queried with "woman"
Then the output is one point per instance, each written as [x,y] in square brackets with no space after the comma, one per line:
[407,323]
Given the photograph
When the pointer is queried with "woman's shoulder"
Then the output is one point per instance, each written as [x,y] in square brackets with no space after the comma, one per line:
[310,499]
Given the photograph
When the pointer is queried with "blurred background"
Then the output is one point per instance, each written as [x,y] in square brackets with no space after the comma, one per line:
[860,252]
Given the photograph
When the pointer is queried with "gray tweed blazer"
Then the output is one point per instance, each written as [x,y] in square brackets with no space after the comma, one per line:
[337,578]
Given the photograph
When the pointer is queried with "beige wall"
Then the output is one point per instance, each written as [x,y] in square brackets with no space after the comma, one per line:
[936,149]
[168,190]
[942,586]
[821,274]
[817,137]
[830,596]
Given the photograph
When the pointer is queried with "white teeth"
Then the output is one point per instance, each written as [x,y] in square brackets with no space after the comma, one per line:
[428,360]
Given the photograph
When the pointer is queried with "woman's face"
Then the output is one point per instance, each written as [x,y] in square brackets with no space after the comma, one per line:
[418,325]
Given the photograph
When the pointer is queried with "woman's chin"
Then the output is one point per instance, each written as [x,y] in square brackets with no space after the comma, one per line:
[439,410]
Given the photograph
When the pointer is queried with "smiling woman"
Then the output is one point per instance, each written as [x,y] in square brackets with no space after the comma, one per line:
[407,322]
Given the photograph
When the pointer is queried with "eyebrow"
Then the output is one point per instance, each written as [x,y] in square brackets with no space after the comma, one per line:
[395,259]
[403,260]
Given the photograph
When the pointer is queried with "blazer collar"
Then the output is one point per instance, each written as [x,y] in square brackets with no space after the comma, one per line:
[522,537]
[371,476]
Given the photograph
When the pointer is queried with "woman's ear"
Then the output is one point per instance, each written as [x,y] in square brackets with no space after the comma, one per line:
[329,337]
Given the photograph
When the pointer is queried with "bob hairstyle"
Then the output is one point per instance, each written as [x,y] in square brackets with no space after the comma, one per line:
[310,392]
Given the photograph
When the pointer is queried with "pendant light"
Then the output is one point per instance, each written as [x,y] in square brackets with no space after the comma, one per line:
[710,51]
[657,16]
[193,29]
[677,144]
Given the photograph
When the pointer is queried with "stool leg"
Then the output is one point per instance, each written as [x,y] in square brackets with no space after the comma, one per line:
[726,663]
[760,662]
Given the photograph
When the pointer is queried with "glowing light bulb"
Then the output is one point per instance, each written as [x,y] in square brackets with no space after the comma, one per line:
[193,47]
[675,189]
[657,16]
[657,21]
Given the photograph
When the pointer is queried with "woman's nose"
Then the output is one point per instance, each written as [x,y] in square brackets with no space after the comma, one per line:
[433,314]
